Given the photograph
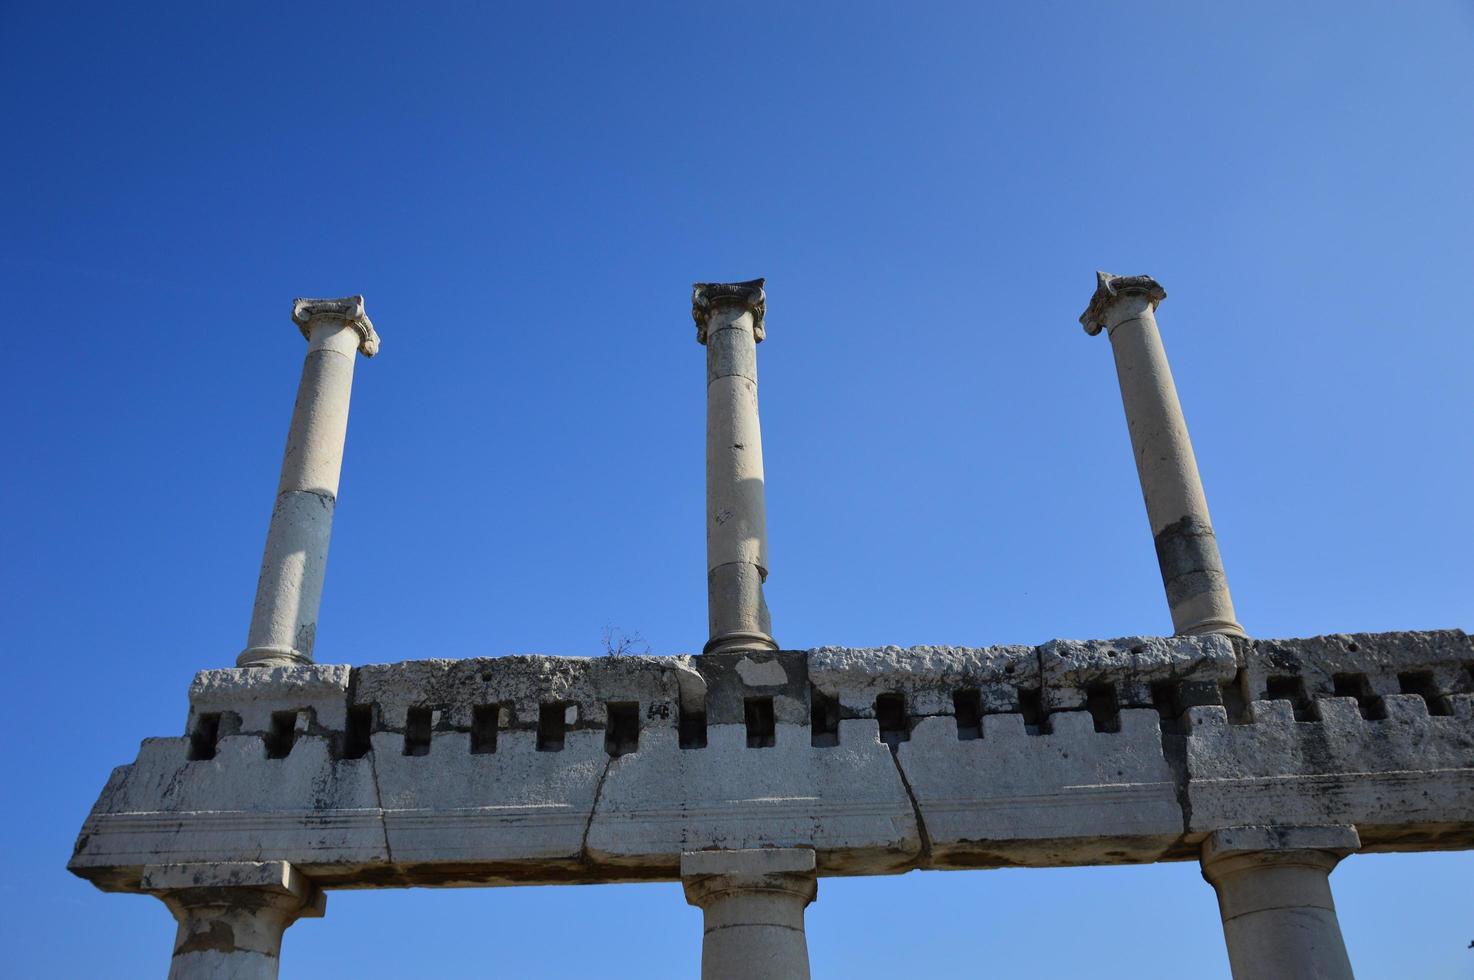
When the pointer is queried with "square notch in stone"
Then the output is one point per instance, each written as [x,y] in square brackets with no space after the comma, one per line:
[553,721]
[204,740]
[418,724]
[485,720]
[761,725]
[358,732]
[892,719]
[282,734]
[1421,683]
[823,719]
[691,726]
[967,709]
[622,727]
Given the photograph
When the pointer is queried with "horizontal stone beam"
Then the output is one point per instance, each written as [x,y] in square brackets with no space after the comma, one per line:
[545,769]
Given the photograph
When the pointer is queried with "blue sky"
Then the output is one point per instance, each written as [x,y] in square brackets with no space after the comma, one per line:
[524,195]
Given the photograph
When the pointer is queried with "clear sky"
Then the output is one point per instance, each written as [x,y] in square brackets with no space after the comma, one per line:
[524,195]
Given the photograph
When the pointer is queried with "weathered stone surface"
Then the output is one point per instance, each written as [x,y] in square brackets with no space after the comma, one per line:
[521,685]
[1405,781]
[1274,897]
[926,676]
[1132,666]
[1177,509]
[845,801]
[525,769]
[253,694]
[1072,796]
[1383,660]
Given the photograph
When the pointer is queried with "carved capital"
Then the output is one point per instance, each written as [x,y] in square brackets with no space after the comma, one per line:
[348,309]
[709,296]
[1108,288]
[709,876]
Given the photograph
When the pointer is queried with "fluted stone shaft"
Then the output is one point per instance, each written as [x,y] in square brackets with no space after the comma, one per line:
[729,321]
[231,916]
[289,592]
[1274,894]
[752,904]
[1187,551]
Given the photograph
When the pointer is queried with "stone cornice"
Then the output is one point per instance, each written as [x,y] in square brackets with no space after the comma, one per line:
[708,296]
[1108,288]
[348,309]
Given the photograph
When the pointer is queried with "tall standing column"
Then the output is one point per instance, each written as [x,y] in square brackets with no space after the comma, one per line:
[1187,552]
[729,321]
[753,909]
[1274,894]
[231,916]
[284,620]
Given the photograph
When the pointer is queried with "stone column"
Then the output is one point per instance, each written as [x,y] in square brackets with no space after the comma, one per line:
[1274,894]
[284,620]
[231,916]
[729,321]
[753,907]
[1187,552]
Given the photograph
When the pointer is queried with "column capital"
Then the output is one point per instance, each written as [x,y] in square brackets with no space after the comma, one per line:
[349,309]
[1108,288]
[254,883]
[707,875]
[709,296]
[1236,848]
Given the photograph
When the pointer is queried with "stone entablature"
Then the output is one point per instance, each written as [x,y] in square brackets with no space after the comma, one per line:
[547,769]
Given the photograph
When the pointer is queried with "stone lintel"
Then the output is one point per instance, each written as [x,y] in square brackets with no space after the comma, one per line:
[1108,288]
[348,309]
[709,296]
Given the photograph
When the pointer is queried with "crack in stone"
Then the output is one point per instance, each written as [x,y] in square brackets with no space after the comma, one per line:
[379,802]
[924,858]
[583,844]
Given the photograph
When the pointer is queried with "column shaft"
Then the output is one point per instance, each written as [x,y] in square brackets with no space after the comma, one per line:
[752,906]
[730,324]
[1187,550]
[231,916]
[293,566]
[1279,919]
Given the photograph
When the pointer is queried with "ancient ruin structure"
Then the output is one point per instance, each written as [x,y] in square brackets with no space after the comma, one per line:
[748,771]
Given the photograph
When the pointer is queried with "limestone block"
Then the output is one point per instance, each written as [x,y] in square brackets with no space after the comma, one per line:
[928,676]
[1400,780]
[238,806]
[522,684]
[733,678]
[1073,796]
[254,694]
[1447,656]
[845,801]
[1193,666]
[516,804]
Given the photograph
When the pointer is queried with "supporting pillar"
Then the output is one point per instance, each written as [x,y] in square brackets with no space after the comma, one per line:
[231,916]
[284,620]
[1187,552]
[1274,894]
[753,909]
[729,321]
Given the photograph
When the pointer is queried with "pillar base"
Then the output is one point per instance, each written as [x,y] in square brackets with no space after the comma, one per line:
[1225,626]
[272,657]
[739,640]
